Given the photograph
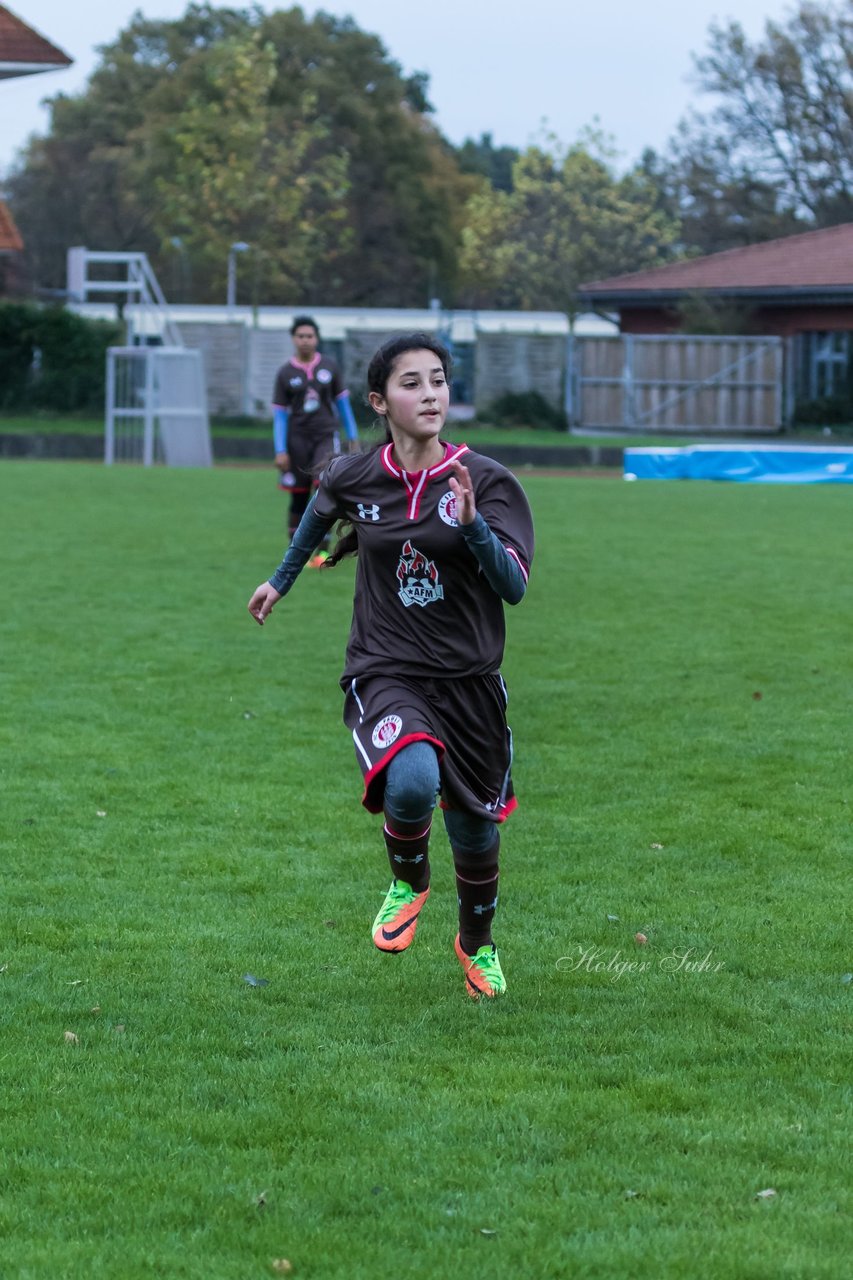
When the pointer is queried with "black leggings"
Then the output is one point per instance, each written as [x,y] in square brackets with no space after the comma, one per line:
[411,783]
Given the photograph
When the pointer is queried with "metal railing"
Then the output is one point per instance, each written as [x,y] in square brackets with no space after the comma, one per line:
[144,306]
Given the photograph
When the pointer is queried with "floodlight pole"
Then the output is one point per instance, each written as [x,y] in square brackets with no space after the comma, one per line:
[239,246]
[181,279]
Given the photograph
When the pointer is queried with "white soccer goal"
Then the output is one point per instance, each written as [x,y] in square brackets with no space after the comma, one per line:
[156,407]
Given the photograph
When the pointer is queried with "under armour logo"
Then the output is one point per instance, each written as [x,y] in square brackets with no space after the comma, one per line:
[490,906]
[366,512]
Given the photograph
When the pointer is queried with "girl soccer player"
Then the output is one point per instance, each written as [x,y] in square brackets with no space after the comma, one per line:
[309,401]
[444,537]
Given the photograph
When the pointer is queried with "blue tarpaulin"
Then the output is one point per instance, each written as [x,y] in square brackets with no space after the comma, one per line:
[756,464]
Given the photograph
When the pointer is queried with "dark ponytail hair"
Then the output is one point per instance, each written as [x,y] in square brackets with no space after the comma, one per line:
[378,372]
[306,322]
[381,366]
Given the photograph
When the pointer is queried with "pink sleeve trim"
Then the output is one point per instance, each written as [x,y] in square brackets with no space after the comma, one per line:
[517,558]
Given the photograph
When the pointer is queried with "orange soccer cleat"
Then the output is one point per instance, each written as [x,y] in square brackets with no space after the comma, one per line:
[483,973]
[394,927]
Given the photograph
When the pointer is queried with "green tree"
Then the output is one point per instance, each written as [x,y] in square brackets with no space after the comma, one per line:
[406,192]
[485,160]
[74,185]
[716,199]
[344,183]
[568,220]
[225,165]
[775,155]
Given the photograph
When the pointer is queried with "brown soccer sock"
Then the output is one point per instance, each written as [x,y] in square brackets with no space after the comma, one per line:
[407,844]
[298,503]
[477,890]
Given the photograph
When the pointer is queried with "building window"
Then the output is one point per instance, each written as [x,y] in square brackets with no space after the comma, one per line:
[825,364]
[824,380]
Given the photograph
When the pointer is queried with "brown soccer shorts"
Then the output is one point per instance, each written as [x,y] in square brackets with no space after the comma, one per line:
[464,719]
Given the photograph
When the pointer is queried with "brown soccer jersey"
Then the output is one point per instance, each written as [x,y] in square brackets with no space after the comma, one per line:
[308,392]
[421,604]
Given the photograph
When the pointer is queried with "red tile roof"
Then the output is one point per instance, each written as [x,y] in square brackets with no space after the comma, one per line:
[22,47]
[812,260]
[10,236]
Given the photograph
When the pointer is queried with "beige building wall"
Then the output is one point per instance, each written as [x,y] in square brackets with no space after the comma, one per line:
[509,362]
[241,364]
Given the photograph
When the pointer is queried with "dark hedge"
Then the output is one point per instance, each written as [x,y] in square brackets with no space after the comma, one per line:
[51,358]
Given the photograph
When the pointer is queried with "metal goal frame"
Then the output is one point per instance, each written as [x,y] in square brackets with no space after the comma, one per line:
[156,409]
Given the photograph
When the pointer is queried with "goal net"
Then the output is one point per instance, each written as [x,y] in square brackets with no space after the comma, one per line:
[157,407]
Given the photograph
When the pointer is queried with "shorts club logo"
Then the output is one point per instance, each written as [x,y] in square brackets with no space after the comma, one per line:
[386,731]
[447,510]
[418,578]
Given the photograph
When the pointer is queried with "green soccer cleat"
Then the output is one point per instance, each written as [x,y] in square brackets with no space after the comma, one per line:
[483,973]
[394,927]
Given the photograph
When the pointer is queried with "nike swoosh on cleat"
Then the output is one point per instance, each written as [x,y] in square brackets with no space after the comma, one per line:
[395,933]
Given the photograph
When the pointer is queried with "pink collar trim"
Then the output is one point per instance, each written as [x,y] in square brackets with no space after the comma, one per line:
[308,368]
[416,481]
[413,479]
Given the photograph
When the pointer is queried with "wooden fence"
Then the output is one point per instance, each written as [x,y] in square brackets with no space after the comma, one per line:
[676,384]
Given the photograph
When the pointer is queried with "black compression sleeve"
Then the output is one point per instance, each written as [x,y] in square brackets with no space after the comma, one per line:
[502,571]
[311,531]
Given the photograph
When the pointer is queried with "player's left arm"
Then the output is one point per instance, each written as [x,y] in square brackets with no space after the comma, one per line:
[504,568]
[347,417]
[312,528]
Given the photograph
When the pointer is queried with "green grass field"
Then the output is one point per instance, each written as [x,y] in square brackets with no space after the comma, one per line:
[180,810]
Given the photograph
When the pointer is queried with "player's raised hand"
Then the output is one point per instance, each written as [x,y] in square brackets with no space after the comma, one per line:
[462,487]
[264,598]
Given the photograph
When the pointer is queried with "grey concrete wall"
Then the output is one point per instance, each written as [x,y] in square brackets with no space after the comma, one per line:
[225,351]
[359,349]
[268,350]
[509,362]
[241,364]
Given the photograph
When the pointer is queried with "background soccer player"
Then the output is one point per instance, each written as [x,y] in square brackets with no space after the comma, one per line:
[444,537]
[309,402]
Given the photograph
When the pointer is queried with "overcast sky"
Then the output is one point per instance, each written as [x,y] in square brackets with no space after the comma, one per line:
[494,67]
